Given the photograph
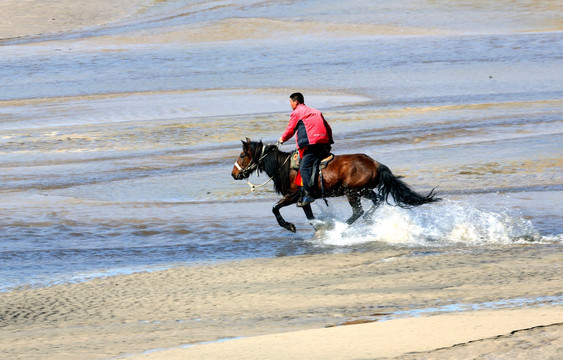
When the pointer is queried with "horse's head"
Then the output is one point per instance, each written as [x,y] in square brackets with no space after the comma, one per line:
[246,163]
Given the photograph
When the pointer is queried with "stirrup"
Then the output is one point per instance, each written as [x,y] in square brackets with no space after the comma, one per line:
[306,200]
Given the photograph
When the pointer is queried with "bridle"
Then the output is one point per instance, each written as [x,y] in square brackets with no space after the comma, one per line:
[254,165]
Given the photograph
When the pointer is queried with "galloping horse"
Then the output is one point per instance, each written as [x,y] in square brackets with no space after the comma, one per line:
[353,175]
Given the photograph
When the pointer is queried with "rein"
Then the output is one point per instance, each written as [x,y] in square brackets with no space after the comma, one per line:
[254,165]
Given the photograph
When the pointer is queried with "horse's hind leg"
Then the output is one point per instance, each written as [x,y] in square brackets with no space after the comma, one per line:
[374,197]
[354,200]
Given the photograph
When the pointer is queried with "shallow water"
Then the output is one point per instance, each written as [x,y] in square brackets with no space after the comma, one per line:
[117,142]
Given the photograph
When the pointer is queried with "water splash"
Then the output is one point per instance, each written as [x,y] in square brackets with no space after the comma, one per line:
[448,223]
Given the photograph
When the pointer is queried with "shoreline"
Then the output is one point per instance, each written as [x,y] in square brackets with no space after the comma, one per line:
[127,315]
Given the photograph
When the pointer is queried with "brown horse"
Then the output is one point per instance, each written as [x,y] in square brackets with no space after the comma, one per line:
[354,176]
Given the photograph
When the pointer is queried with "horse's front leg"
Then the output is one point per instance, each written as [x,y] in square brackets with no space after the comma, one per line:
[308,212]
[285,201]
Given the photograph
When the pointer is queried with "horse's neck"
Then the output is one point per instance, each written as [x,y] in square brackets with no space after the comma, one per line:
[274,163]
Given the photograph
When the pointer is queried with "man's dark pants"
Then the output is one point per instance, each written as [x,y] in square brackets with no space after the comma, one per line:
[310,155]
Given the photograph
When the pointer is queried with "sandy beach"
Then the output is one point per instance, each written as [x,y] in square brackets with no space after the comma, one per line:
[481,300]
[453,336]
[118,204]
[34,17]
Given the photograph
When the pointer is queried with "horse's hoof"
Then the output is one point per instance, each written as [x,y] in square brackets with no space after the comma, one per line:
[291,228]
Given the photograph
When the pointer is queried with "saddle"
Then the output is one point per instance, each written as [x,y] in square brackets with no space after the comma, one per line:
[317,167]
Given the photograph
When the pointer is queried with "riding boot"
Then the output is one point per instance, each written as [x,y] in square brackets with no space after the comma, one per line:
[306,199]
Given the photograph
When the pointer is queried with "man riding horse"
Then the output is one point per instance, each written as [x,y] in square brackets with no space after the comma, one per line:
[313,136]
[355,176]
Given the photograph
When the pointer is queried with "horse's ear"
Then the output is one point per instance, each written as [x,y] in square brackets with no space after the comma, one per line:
[248,140]
[245,144]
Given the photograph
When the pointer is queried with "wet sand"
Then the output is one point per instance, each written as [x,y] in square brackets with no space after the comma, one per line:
[39,17]
[491,294]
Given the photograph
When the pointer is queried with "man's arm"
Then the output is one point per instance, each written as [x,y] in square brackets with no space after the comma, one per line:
[290,129]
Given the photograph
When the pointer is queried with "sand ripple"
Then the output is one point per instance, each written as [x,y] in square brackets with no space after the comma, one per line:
[164,309]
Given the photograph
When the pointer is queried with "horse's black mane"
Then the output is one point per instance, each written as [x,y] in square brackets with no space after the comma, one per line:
[275,164]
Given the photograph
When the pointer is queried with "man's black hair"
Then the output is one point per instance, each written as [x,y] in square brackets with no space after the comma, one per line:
[297,97]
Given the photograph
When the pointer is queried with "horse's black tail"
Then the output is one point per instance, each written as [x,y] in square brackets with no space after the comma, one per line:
[390,184]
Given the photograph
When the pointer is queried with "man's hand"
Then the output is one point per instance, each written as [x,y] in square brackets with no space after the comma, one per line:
[280,141]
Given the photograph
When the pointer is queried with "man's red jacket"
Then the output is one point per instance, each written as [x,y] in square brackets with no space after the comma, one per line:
[309,125]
